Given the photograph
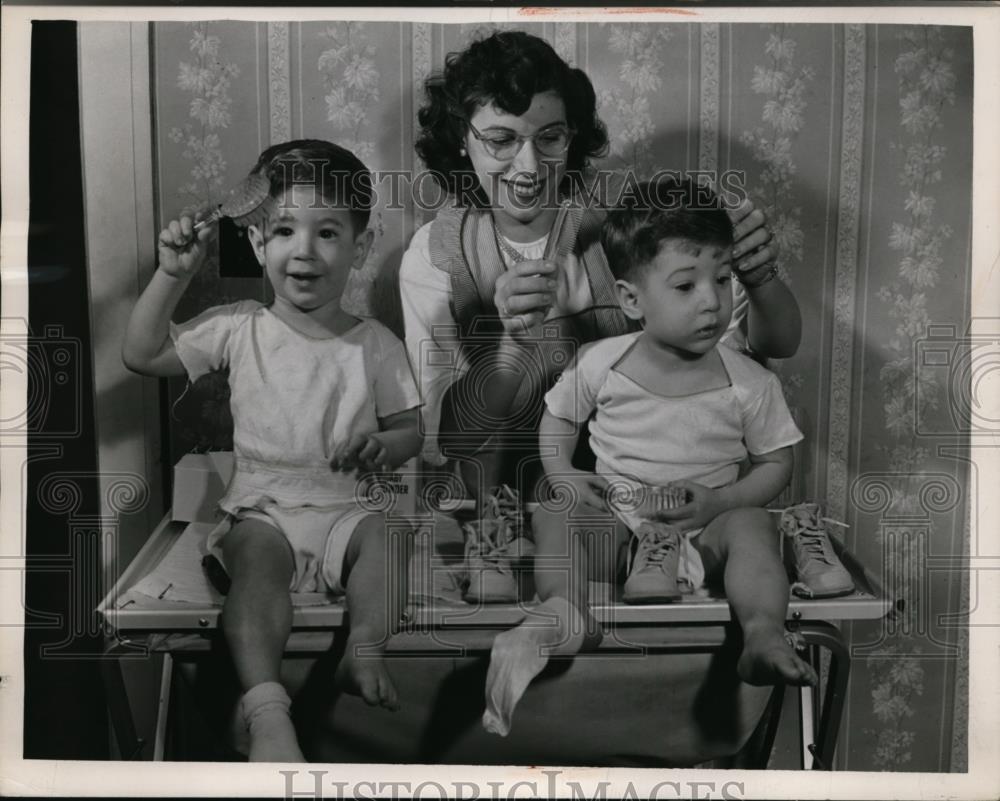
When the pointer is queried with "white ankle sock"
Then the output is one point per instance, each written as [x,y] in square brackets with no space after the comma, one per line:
[520,654]
[266,714]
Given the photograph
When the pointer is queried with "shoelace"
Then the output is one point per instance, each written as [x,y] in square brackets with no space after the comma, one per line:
[815,543]
[483,541]
[655,548]
[504,505]
[813,537]
[501,523]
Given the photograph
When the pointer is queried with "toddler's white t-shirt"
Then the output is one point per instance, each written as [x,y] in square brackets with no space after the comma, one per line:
[295,399]
[655,439]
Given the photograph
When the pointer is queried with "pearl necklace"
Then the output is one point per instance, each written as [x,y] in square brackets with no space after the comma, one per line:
[553,236]
[515,254]
[505,247]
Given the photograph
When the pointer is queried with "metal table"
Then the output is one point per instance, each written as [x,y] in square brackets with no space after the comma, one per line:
[184,631]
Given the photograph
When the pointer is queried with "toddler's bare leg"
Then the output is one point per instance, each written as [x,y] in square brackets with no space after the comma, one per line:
[256,620]
[376,565]
[746,543]
[557,626]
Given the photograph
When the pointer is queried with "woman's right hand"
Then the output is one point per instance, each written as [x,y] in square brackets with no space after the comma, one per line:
[524,294]
[182,250]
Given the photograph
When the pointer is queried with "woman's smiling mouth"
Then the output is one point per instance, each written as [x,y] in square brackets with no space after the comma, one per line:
[525,191]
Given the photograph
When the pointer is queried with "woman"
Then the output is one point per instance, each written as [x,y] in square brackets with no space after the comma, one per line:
[490,305]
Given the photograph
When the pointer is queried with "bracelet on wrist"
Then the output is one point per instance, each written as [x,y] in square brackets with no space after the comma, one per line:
[750,280]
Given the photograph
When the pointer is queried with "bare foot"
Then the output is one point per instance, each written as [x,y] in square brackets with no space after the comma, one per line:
[767,658]
[518,655]
[362,672]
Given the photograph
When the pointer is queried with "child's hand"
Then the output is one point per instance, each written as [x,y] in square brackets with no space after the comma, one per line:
[704,505]
[587,490]
[364,452]
[182,250]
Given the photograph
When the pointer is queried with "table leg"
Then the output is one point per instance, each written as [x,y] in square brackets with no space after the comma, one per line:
[807,727]
[163,707]
[130,745]
[826,635]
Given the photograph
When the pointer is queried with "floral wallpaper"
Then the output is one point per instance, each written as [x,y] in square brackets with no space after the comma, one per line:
[629,113]
[207,80]
[856,140]
[927,81]
[352,79]
[782,86]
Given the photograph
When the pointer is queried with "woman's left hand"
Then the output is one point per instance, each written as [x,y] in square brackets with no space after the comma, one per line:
[524,294]
[753,242]
[704,505]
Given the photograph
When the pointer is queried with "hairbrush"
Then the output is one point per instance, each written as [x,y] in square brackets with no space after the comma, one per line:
[249,203]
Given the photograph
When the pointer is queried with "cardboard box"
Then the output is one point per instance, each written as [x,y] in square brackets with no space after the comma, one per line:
[391,493]
[200,480]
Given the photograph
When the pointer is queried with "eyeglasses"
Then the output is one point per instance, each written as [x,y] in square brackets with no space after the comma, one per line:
[504,145]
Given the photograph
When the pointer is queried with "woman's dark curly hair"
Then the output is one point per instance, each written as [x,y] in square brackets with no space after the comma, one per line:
[508,69]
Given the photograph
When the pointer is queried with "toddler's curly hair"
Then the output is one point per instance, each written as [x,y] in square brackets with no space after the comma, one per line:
[671,207]
[339,175]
